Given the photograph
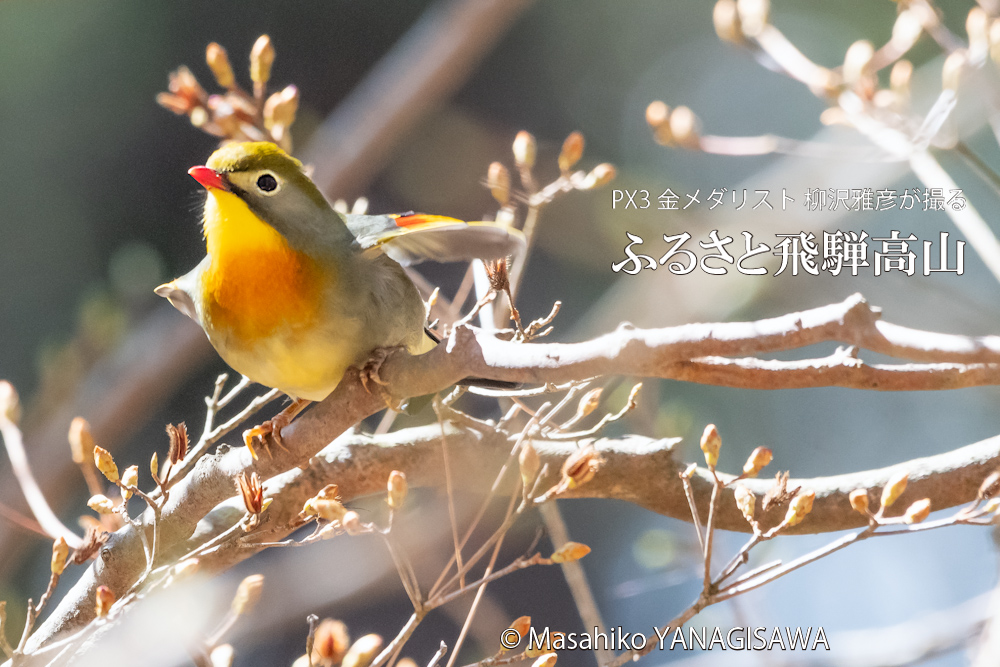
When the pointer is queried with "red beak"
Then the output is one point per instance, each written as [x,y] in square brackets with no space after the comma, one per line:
[209,178]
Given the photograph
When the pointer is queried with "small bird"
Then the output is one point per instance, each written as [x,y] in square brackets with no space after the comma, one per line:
[292,293]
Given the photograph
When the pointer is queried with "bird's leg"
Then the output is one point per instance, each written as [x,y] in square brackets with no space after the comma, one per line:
[369,372]
[274,425]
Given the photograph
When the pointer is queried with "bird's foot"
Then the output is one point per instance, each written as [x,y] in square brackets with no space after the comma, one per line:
[370,371]
[273,428]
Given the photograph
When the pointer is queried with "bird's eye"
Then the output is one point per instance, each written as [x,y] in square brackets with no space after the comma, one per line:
[267,183]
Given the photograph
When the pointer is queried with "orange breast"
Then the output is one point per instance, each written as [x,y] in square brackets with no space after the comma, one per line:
[252,292]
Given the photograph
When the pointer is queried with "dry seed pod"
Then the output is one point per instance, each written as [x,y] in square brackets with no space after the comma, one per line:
[859,501]
[251,491]
[81,440]
[894,488]
[362,652]
[572,151]
[60,552]
[218,62]
[106,464]
[711,443]
[103,599]
[498,181]
[525,149]
[570,552]
[918,511]
[758,460]
[331,642]
[261,59]
[247,594]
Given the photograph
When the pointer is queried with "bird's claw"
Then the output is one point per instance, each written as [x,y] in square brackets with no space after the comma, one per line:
[271,427]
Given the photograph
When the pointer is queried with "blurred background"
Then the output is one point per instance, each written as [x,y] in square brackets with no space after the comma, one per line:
[96,209]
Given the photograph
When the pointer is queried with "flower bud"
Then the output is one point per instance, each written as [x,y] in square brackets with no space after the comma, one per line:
[580,467]
[498,181]
[977,27]
[711,443]
[894,488]
[857,61]
[218,62]
[154,466]
[247,594]
[572,151]
[599,176]
[753,16]
[546,660]
[101,504]
[10,403]
[529,464]
[331,510]
[222,655]
[331,642]
[570,552]
[81,440]
[951,72]
[658,117]
[918,511]
[351,522]
[684,128]
[60,552]
[525,150]
[397,489]
[521,625]
[130,478]
[800,506]
[280,108]
[362,652]
[106,464]
[689,471]
[103,599]
[899,77]
[726,19]
[759,458]
[906,30]
[745,500]
[859,501]
[261,59]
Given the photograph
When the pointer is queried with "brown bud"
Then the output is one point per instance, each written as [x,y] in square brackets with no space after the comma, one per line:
[252,492]
[745,500]
[362,652]
[759,458]
[498,181]
[81,440]
[572,151]
[859,501]
[218,62]
[684,128]
[711,443]
[10,403]
[281,107]
[894,488]
[726,19]
[525,150]
[103,599]
[569,552]
[588,403]
[247,594]
[529,464]
[331,642]
[918,511]
[951,72]
[178,442]
[599,176]
[101,504]
[130,479]
[546,660]
[397,489]
[581,466]
[521,625]
[60,552]
[800,506]
[261,59]
[106,464]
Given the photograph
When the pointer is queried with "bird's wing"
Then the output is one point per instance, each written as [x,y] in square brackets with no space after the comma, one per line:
[179,290]
[414,238]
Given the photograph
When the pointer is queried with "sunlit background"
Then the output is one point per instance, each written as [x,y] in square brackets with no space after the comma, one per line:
[96,209]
